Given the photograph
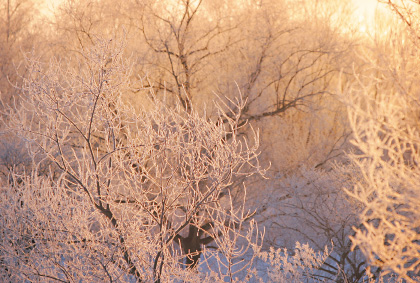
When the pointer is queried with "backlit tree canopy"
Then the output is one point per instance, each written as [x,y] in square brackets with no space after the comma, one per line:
[208,141]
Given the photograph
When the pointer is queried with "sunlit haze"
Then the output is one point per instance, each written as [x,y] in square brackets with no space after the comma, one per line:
[364,12]
[209,141]
[50,6]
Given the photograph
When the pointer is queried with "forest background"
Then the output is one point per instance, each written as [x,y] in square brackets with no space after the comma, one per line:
[197,140]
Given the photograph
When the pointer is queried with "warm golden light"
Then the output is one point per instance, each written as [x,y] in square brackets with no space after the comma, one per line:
[365,13]
[50,6]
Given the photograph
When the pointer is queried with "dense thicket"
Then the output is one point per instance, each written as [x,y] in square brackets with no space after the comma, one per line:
[195,140]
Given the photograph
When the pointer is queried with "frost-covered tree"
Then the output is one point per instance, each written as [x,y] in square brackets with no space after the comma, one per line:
[388,142]
[383,114]
[112,195]
[129,196]
[17,35]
